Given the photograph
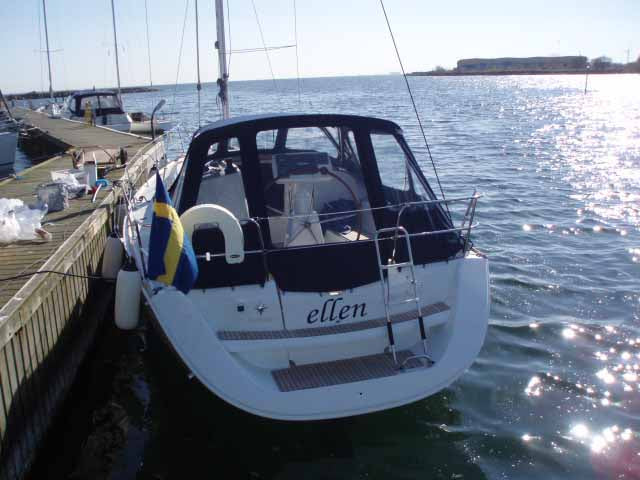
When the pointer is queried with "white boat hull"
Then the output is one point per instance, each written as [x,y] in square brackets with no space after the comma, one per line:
[121,123]
[8,144]
[244,358]
[455,342]
[145,126]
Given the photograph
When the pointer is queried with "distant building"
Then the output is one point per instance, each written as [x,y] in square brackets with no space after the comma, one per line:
[529,64]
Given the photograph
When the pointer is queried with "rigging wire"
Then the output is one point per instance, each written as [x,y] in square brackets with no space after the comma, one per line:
[415,108]
[146,19]
[295,33]
[229,30]
[199,85]
[64,274]
[259,49]
[184,26]
[264,45]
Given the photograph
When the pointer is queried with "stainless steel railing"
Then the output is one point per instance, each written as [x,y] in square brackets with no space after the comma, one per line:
[466,225]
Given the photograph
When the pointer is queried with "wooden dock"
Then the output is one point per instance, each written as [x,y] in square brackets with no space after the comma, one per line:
[49,320]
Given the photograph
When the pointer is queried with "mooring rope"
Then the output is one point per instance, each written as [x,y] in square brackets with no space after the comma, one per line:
[65,274]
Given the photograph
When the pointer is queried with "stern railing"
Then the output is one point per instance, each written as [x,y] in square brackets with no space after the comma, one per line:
[467,223]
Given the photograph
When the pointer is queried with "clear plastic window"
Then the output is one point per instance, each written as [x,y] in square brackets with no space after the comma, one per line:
[100,101]
[314,188]
[401,186]
[399,182]
[266,140]
[222,182]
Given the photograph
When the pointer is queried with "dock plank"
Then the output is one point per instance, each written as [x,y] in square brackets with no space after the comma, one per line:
[23,257]
[48,321]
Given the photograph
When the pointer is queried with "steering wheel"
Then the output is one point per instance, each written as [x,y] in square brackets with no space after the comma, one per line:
[354,197]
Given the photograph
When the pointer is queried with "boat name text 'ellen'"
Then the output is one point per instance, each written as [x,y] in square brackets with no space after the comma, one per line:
[335,314]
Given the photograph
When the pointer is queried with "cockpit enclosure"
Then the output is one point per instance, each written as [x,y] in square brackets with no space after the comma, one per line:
[102,102]
[310,192]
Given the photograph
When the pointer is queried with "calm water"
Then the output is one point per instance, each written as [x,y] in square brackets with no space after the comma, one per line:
[555,392]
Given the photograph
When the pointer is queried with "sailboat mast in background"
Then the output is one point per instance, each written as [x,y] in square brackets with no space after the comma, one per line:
[222,60]
[46,36]
[146,20]
[115,41]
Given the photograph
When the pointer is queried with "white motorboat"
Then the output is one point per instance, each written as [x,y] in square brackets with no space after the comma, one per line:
[51,109]
[102,107]
[331,281]
[105,110]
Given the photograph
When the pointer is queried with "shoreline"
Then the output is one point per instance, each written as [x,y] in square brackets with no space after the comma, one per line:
[65,93]
[506,73]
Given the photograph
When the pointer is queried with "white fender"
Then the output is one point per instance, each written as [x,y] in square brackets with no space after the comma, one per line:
[225,220]
[112,257]
[127,304]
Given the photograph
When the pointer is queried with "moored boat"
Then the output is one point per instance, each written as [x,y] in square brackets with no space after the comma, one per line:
[331,280]
[102,107]
[319,274]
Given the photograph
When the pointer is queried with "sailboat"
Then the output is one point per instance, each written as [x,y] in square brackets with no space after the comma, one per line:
[138,122]
[104,107]
[331,281]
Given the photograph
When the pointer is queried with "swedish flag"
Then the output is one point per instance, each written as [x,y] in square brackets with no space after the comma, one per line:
[171,257]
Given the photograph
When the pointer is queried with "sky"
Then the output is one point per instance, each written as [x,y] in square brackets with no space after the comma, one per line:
[334,37]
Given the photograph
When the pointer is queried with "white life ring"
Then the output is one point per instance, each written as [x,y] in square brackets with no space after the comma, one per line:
[224,220]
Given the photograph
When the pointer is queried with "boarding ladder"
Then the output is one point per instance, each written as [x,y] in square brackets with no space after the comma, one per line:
[398,232]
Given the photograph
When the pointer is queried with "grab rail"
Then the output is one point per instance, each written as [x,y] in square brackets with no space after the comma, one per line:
[321,245]
[465,227]
[396,205]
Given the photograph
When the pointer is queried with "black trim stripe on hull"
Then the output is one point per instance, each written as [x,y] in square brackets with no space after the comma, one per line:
[235,335]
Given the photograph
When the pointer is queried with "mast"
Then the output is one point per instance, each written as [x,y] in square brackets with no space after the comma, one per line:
[46,36]
[222,60]
[146,18]
[115,41]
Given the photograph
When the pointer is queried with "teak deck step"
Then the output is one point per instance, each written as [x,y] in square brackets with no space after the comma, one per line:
[340,372]
[427,310]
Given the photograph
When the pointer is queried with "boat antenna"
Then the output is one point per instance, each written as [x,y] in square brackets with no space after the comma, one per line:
[415,109]
[199,85]
[222,60]
[46,36]
[115,41]
[146,18]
